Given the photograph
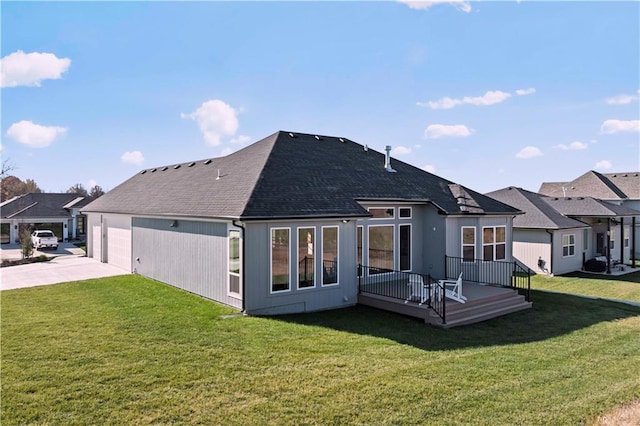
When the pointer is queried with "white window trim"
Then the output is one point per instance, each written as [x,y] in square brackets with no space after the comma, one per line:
[393,238]
[337,228]
[495,243]
[625,238]
[612,239]
[362,257]
[569,245]
[315,269]
[463,245]
[271,261]
[239,275]
[405,217]
[383,208]
[408,225]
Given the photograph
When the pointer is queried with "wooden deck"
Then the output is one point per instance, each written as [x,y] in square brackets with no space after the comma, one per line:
[483,303]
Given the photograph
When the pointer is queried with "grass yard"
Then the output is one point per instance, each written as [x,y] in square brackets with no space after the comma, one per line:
[127,350]
[622,287]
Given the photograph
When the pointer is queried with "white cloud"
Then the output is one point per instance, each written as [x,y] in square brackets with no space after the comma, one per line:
[489,98]
[29,69]
[421,5]
[603,165]
[132,157]
[401,150]
[34,135]
[91,183]
[240,140]
[429,168]
[573,146]
[617,126]
[522,92]
[216,120]
[529,152]
[435,131]
[623,99]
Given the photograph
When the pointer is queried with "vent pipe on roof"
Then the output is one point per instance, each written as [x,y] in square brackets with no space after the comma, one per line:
[218,177]
[387,159]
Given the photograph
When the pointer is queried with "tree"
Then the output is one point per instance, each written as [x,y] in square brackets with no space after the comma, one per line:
[12,186]
[7,166]
[25,245]
[96,192]
[78,189]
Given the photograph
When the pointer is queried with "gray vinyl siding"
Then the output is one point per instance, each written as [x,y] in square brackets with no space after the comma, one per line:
[531,244]
[432,232]
[259,300]
[192,256]
[561,264]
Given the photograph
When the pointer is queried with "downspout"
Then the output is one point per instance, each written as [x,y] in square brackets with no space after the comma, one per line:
[236,224]
[608,245]
[551,244]
[622,240]
[633,242]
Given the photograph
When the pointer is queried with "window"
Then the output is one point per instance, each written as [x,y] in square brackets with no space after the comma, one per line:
[306,258]
[234,262]
[280,259]
[382,212]
[568,245]
[404,212]
[81,225]
[405,247]
[381,253]
[329,255]
[626,238]
[494,243]
[468,243]
[585,239]
[612,239]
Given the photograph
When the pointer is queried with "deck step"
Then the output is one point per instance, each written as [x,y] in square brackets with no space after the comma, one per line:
[479,316]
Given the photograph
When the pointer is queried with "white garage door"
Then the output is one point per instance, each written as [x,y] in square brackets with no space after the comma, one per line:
[119,247]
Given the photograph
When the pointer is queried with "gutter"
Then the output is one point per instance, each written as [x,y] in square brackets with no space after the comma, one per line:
[236,224]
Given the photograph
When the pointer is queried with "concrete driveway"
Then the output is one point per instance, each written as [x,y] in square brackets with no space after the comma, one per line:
[61,269]
[13,252]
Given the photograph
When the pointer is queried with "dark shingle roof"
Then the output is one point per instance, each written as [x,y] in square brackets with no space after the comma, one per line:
[587,206]
[538,213]
[39,205]
[610,186]
[289,175]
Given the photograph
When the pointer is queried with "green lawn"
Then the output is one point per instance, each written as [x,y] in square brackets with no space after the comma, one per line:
[128,350]
[622,287]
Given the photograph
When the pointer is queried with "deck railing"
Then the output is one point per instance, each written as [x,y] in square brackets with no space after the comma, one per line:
[497,272]
[395,284]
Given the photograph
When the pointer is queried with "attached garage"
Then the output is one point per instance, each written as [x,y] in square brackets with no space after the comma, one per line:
[110,239]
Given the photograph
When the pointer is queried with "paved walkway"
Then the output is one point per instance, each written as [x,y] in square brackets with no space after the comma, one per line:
[61,269]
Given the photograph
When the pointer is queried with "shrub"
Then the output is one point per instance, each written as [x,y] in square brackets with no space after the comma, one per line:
[25,245]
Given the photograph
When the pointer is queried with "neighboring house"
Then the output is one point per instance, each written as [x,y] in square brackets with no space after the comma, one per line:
[566,232]
[622,189]
[282,225]
[59,213]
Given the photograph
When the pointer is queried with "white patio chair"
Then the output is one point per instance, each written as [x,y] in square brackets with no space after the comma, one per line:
[453,289]
[417,289]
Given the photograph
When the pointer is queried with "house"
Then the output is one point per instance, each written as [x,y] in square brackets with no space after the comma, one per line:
[59,213]
[282,225]
[565,232]
[622,189]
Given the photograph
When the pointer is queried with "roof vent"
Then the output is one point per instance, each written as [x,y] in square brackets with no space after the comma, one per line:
[192,164]
[153,170]
[341,140]
[219,175]
[291,135]
[143,172]
[165,168]
[317,137]
[207,162]
[387,159]
[177,166]
[366,148]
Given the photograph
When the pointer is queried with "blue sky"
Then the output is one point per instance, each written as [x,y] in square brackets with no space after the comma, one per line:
[487,94]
